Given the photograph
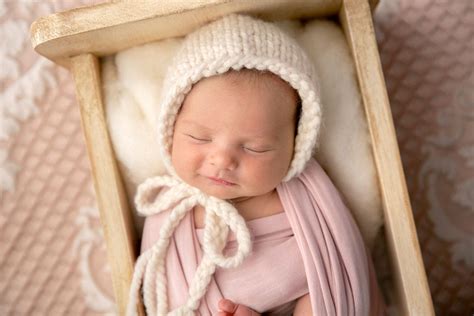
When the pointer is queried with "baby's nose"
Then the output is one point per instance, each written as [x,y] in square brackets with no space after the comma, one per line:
[223,159]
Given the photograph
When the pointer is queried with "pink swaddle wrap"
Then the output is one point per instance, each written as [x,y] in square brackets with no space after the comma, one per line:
[275,280]
[315,247]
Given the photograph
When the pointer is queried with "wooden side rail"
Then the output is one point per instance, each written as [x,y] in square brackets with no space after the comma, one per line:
[110,27]
[407,265]
[115,215]
[77,38]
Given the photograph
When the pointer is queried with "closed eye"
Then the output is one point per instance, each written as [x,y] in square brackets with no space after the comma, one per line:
[257,151]
[198,139]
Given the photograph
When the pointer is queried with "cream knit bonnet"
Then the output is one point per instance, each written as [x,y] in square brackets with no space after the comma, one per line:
[236,42]
[231,43]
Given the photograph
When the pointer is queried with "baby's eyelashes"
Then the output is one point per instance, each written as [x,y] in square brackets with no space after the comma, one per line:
[198,138]
[255,150]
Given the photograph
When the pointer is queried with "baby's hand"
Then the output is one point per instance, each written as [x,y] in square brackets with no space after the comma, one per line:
[229,308]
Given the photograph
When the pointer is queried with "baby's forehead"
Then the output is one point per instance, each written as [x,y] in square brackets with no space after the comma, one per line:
[256,78]
[241,97]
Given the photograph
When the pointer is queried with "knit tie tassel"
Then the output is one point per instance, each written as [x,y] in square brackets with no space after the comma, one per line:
[150,268]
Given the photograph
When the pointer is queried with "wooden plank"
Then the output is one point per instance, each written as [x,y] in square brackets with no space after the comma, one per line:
[115,215]
[407,265]
[107,28]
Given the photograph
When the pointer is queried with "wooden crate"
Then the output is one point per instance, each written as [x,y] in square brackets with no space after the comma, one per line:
[76,39]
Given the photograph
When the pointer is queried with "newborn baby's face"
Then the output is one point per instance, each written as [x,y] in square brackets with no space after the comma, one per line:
[234,135]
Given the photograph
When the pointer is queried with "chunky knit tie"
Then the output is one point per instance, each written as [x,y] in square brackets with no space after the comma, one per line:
[150,269]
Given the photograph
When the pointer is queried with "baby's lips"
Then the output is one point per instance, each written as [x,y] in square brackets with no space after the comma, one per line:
[221,181]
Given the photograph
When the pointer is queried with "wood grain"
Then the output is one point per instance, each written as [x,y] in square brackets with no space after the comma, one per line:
[407,264]
[107,28]
[76,38]
[115,216]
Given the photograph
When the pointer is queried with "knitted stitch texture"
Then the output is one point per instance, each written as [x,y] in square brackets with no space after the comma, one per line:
[233,42]
[236,42]
[150,266]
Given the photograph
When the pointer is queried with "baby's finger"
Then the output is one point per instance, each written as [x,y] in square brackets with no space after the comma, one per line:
[245,311]
[227,306]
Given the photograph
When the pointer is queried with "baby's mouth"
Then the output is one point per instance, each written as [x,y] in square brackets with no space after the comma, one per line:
[221,181]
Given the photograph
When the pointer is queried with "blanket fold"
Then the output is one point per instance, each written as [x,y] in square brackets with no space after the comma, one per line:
[329,249]
[335,259]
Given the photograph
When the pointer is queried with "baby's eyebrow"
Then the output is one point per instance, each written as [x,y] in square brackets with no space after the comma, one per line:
[259,137]
[196,124]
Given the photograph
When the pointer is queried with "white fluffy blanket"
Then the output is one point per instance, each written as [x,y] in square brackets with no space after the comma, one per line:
[132,82]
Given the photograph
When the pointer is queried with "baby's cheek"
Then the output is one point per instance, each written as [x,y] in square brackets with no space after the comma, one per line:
[187,162]
[268,174]
[178,158]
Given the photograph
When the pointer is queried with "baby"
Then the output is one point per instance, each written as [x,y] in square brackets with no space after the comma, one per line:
[237,128]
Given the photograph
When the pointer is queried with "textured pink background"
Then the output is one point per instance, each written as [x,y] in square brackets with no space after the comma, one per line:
[52,257]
